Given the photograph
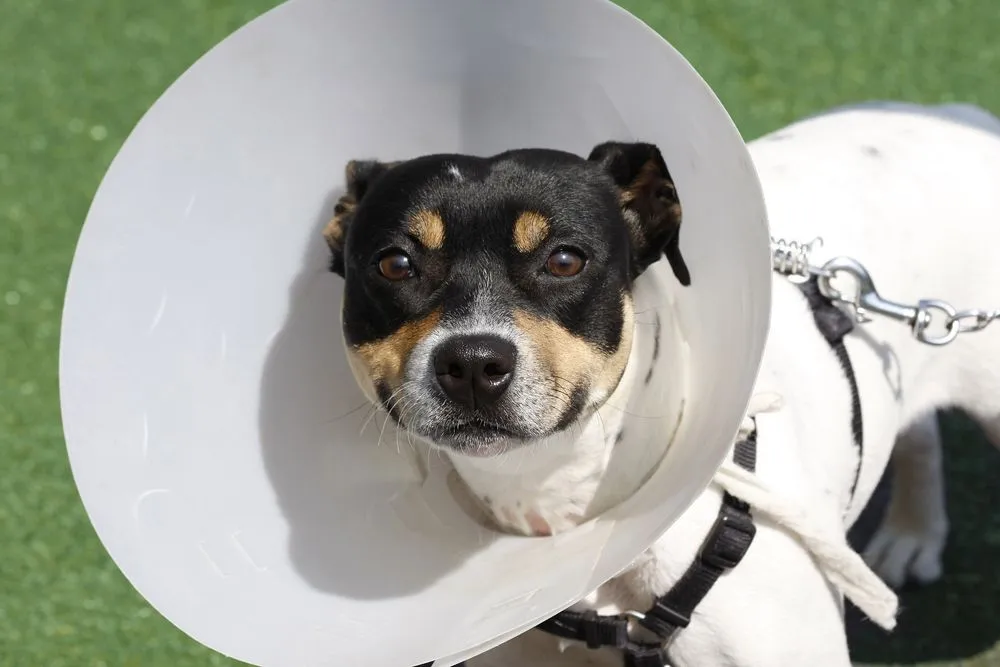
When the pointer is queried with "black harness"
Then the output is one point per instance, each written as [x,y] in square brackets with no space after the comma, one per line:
[726,543]
[834,324]
[722,550]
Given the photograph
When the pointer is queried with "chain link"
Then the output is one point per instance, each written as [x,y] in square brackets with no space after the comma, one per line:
[932,321]
[975,319]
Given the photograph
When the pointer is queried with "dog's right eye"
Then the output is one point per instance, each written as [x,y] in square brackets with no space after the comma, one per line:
[395,265]
[565,263]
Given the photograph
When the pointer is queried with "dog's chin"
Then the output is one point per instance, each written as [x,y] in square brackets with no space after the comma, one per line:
[476,439]
[480,438]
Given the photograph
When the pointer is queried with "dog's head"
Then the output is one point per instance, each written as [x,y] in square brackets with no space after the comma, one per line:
[487,301]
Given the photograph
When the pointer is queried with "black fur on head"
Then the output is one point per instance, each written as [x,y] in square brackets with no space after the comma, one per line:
[532,250]
[359,176]
[647,194]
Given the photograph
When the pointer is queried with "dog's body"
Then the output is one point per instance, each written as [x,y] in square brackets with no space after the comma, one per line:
[911,193]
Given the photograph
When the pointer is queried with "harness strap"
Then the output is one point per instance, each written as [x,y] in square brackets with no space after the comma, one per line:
[834,324]
[724,547]
[604,631]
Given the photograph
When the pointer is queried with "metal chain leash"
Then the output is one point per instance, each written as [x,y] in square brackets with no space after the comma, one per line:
[792,259]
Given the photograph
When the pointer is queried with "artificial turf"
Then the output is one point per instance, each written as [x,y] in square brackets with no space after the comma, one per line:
[74,78]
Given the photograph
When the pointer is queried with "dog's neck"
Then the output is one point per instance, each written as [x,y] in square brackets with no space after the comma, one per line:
[552,485]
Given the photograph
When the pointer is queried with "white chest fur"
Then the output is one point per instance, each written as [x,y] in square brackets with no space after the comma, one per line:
[555,484]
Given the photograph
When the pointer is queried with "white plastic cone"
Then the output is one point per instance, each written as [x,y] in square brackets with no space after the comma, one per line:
[211,419]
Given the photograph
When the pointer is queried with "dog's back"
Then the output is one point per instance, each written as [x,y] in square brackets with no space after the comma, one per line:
[911,192]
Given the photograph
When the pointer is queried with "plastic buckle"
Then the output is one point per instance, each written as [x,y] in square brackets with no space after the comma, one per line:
[646,656]
[600,631]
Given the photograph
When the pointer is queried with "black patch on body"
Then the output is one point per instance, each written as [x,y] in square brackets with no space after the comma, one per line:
[871,151]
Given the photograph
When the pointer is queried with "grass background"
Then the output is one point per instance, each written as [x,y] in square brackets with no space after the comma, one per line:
[75,76]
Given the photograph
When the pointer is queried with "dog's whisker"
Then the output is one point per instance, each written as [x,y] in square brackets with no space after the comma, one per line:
[381,432]
[562,392]
[394,399]
[402,407]
[385,423]
[407,414]
[350,412]
[629,413]
[564,397]
[600,420]
[399,390]
[373,410]
[376,406]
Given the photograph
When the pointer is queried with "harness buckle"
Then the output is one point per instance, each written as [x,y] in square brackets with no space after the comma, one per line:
[665,622]
[729,539]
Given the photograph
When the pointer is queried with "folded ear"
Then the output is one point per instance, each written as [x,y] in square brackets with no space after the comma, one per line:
[649,201]
[359,176]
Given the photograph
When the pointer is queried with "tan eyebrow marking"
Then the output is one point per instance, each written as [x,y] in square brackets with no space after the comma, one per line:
[428,227]
[530,229]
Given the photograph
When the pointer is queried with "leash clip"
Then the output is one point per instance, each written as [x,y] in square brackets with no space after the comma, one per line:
[792,259]
[866,299]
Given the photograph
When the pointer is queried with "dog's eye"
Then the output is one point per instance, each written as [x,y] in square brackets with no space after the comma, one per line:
[565,263]
[395,265]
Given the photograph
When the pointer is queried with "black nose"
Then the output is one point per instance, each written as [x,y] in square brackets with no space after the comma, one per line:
[475,371]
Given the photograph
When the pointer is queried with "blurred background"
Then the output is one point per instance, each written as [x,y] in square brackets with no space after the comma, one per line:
[75,76]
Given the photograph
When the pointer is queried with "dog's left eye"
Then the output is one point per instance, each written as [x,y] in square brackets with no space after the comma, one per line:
[565,263]
[395,265]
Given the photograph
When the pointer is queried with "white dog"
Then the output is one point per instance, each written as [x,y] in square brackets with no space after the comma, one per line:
[437,334]
[912,193]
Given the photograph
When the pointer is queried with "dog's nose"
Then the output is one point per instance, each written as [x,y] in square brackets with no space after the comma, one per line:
[475,371]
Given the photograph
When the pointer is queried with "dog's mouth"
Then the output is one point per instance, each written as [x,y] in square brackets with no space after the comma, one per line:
[475,437]
[477,428]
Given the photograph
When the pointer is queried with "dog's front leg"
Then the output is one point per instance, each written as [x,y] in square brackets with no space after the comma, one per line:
[909,542]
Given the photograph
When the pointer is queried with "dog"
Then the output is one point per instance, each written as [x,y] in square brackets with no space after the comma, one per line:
[488,309]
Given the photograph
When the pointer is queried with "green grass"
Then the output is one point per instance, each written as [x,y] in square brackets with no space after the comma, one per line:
[74,78]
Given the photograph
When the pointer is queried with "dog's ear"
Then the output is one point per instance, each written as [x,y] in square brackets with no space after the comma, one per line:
[359,176]
[649,201]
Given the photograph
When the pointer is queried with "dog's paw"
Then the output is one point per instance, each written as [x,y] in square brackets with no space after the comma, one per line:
[899,555]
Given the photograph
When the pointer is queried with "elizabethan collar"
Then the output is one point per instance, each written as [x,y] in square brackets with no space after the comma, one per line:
[211,419]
